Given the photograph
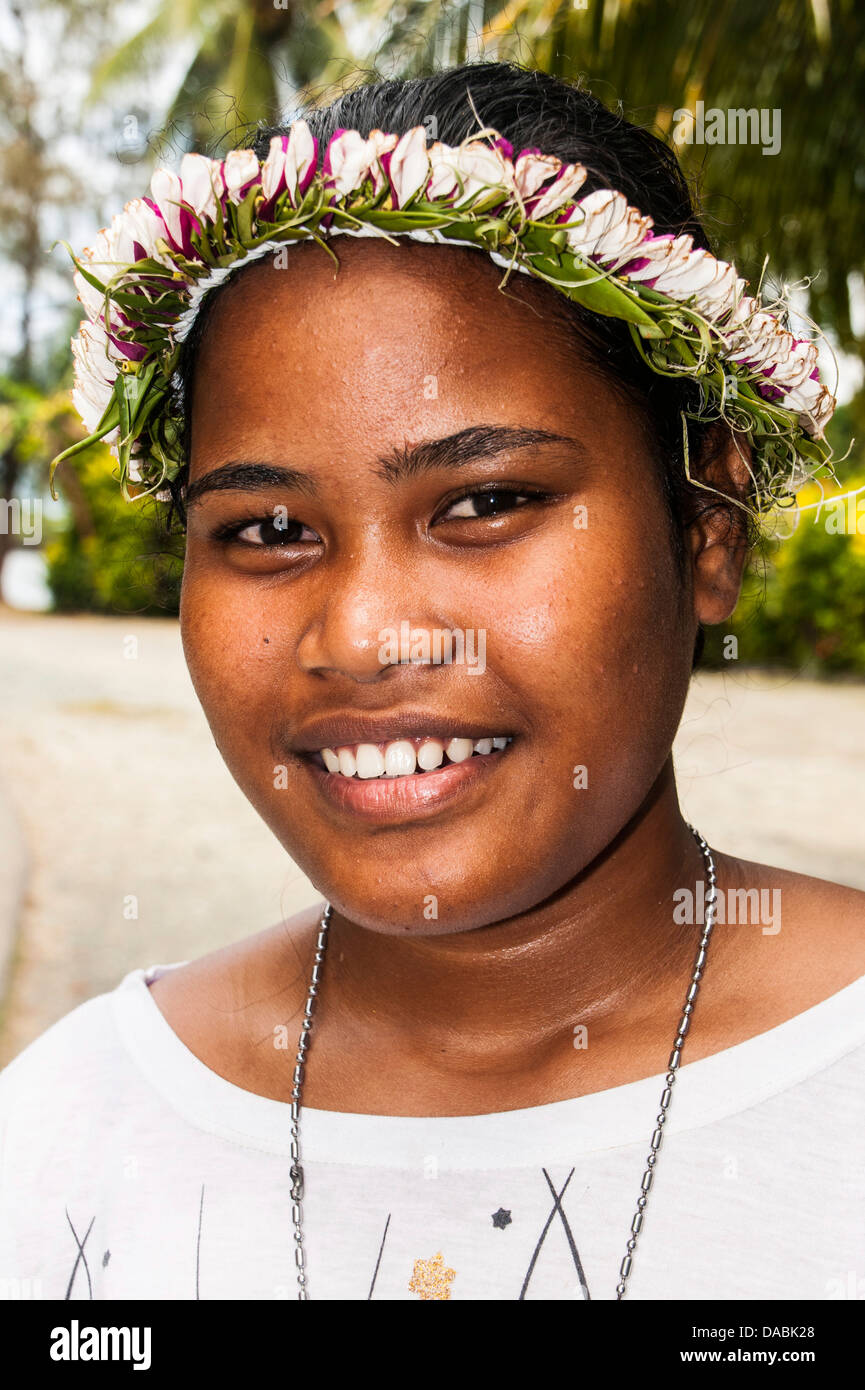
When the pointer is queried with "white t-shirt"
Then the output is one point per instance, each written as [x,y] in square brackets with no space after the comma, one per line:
[132,1171]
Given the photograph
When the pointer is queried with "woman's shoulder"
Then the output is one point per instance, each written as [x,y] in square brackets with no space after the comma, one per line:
[795,907]
[222,978]
[783,943]
[220,1002]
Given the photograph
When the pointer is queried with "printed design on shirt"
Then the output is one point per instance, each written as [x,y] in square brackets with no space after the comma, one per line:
[432,1278]
[198,1243]
[80,1257]
[378,1261]
[575,1254]
[501,1218]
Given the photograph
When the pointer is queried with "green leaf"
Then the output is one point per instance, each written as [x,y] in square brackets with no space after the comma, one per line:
[246,212]
[597,292]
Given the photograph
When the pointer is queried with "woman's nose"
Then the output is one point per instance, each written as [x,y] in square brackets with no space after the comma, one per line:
[355,632]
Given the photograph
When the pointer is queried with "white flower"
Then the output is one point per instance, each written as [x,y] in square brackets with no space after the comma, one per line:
[121,247]
[90,396]
[478,165]
[760,340]
[693,276]
[92,368]
[350,156]
[701,277]
[531,170]
[609,227]
[798,366]
[382,144]
[569,181]
[717,297]
[737,329]
[200,178]
[409,164]
[167,194]
[111,250]
[273,168]
[299,156]
[101,252]
[813,402]
[661,253]
[136,224]
[744,310]
[621,242]
[735,303]
[144,226]
[239,169]
[92,299]
[94,351]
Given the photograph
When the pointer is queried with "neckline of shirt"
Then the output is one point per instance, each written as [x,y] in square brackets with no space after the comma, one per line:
[707,1090]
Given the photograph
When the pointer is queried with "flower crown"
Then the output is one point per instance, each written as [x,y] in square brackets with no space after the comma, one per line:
[143,281]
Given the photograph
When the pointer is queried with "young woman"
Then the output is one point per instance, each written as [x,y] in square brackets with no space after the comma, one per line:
[485,1106]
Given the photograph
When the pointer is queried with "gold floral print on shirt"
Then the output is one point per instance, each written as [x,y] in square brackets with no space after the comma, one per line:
[431,1279]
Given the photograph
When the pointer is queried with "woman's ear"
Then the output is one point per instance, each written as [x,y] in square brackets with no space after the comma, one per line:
[719,531]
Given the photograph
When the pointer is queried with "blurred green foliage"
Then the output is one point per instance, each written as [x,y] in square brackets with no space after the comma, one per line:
[112,556]
[802,604]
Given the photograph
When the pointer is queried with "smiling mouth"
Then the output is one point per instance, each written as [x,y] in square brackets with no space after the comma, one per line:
[387,783]
[404,757]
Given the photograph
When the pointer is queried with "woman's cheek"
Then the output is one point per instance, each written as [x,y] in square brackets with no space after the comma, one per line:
[230,653]
[569,610]
[597,653]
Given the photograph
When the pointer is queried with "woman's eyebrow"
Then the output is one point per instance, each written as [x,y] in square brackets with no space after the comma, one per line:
[466,446]
[407,461]
[249,477]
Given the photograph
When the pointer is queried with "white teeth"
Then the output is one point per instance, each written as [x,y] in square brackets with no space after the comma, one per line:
[399,759]
[370,762]
[459,749]
[347,764]
[430,754]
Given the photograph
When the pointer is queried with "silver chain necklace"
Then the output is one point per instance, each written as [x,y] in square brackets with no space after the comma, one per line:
[296,1171]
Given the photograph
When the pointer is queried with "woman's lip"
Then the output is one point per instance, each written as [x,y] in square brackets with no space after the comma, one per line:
[400,799]
[353,727]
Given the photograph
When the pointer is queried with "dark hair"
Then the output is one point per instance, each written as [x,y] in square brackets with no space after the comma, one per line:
[532,108]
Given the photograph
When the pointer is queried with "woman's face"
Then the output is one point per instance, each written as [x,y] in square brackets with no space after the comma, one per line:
[330,561]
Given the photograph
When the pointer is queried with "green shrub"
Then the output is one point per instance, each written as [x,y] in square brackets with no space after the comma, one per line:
[803,600]
[110,556]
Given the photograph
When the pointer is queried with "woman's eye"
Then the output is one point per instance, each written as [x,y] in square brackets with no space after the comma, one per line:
[272,531]
[485,504]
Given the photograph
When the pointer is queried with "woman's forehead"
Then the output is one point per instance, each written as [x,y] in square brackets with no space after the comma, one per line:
[377,287]
[385,340]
